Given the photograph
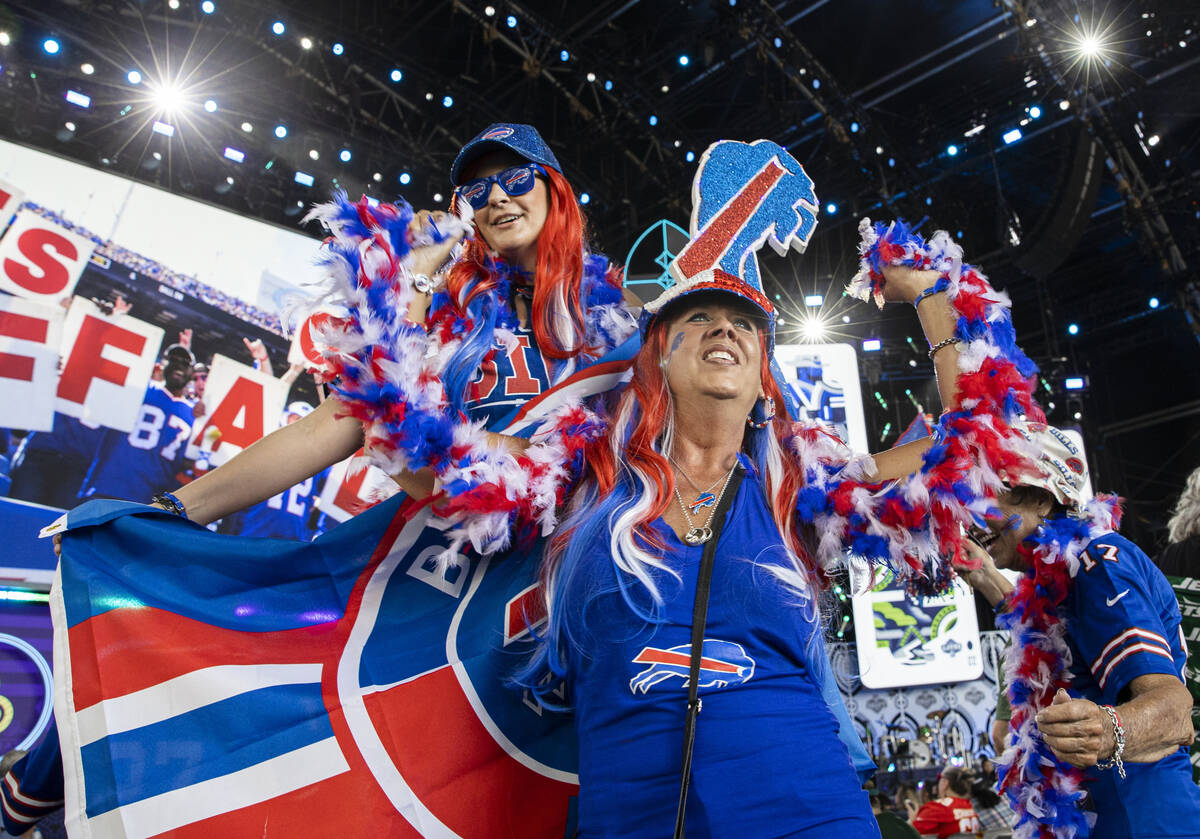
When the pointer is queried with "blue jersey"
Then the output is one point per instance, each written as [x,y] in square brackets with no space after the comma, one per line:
[1122,622]
[508,380]
[145,461]
[282,516]
[768,761]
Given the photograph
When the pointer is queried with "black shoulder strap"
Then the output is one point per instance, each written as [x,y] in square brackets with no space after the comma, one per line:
[699,619]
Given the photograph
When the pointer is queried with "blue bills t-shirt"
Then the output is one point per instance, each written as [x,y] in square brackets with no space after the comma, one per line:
[768,761]
[509,379]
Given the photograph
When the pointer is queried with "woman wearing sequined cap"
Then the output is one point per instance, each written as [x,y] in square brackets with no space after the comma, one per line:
[697,434]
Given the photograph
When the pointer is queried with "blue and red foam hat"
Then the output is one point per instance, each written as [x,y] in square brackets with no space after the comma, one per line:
[710,280]
[523,140]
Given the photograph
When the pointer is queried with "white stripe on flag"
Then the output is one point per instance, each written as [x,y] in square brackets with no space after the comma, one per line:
[186,693]
[252,785]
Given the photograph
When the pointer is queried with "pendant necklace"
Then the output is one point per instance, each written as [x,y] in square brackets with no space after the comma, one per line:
[704,497]
[700,535]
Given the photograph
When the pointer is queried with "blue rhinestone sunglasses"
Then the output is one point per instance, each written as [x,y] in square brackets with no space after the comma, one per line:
[515,181]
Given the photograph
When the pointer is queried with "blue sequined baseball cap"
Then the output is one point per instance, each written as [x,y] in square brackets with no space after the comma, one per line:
[521,139]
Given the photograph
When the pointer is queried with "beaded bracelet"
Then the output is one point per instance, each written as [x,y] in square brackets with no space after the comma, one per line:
[929,292]
[1119,736]
[171,503]
[941,345]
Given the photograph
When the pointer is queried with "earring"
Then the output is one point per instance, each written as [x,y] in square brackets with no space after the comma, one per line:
[768,414]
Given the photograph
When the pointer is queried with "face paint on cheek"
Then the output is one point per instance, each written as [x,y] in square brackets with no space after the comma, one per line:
[674,346]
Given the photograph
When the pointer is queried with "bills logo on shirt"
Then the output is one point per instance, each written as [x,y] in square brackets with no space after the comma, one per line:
[722,663]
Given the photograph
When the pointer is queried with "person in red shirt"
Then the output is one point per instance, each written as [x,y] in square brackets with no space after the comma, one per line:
[951,812]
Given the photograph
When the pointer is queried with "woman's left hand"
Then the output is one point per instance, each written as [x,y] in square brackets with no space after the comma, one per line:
[903,284]
[428,258]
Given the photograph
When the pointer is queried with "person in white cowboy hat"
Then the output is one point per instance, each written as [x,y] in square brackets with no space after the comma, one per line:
[1108,698]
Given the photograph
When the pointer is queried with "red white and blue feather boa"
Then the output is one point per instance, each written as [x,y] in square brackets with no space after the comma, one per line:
[387,372]
[1044,791]
[915,525]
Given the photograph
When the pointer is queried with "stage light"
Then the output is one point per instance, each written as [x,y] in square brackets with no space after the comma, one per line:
[396,75]
[879,150]
[1152,140]
[665,88]
[313,154]
[210,105]
[1078,415]
[973,130]
[5,39]
[684,61]
[377,177]
[167,97]
[1073,383]
[564,56]
[278,28]
[952,150]
[653,119]
[845,318]
[306,43]
[281,131]
[892,162]
[133,77]
[51,46]
[1090,46]
[591,77]
[70,126]
[812,329]
[1035,112]
[690,156]
[304,179]
[163,128]
[1073,329]
[584,198]
[236,155]
[405,178]
[1011,137]
[778,42]
[208,7]
[338,49]
[1063,104]
[608,84]
[438,198]
[816,83]
[86,69]
[344,155]
[831,208]
[247,127]
[490,11]
[1154,303]
[79,99]
[511,20]
[678,143]
[854,128]
[928,201]
[872,345]
[814,299]
[447,101]
[1031,22]
[173,4]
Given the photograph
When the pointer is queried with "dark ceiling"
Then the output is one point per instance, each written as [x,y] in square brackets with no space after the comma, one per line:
[1084,219]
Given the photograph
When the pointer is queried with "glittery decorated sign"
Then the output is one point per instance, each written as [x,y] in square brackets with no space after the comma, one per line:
[745,194]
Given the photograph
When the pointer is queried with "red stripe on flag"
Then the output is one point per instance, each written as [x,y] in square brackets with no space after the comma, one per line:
[455,766]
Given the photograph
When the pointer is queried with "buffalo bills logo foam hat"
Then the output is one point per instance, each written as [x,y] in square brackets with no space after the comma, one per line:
[516,137]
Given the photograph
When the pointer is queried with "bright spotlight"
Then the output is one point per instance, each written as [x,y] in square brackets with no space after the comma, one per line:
[313,154]
[247,127]
[167,97]
[173,4]
[854,128]
[831,208]
[80,100]
[490,11]
[690,156]
[814,299]
[1152,140]
[377,177]
[584,198]
[304,179]
[511,20]
[1073,383]
[344,155]
[236,155]
[447,101]
[1089,46]
[306,43]
[1035,112]
[591,77]
[51,46]
[872,345]
[952,150]
[210,105]
[405,178]
[278,28]
[208,7]
[653,119]
[1011,137]
[1073,329]
[684,61]
[163,128]
[134,77]
[1063,104]
[438,198]
[564,56]
[86,69]
[5,39]
[281,131]
[1154,303]
[338,49]
[396,75]
[813,329]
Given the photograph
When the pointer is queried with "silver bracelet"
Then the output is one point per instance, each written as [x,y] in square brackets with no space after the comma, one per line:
[1119,736]
[941,345]
[424,284]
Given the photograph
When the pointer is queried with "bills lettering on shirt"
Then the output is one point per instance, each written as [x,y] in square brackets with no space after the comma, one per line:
[137,465]
[508,379]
